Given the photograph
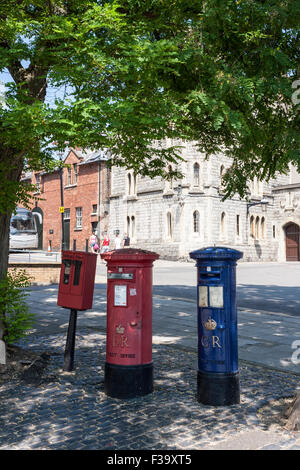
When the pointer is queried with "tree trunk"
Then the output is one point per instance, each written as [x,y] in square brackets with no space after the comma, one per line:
[11,171]
[293,415]
[4,249]
[4,243]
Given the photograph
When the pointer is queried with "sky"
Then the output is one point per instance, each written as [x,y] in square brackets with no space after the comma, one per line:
[52,93]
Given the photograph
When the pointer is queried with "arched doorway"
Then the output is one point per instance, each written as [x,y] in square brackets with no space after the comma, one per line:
[292,232]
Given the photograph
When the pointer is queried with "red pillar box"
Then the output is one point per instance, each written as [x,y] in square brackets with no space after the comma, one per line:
[128,367]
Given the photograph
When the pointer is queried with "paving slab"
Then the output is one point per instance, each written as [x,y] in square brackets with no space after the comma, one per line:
[256,440]
[69,411]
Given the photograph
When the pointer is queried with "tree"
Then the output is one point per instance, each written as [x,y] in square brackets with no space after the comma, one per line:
[217,72]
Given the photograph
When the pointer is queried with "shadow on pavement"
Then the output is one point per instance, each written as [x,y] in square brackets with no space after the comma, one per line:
[270,298]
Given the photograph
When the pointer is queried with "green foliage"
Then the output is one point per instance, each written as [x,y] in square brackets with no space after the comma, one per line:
[14,312]
[218,73]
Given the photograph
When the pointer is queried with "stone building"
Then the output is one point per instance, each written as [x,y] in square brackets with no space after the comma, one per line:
[169,217]
[174,218]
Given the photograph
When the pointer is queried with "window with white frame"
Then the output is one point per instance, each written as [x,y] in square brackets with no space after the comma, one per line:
[67,214]
[78,217]
[75,167]
[38,183]
[69,176]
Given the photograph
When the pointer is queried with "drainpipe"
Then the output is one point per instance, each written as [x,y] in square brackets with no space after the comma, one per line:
[62,203]
[99,196]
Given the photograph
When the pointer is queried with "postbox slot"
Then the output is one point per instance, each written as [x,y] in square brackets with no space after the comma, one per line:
[77,272]
[127,276]
[210,275]
[67,270]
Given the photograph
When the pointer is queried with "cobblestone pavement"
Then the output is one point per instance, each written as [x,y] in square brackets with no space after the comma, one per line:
[70,410]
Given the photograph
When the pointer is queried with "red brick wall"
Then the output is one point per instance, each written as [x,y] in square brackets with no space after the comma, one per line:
[84,194]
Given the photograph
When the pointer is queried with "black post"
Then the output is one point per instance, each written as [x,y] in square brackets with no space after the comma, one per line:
[86,244]
[70,344]
[74,245]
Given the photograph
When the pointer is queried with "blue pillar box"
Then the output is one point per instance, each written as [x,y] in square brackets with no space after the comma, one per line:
[218,374]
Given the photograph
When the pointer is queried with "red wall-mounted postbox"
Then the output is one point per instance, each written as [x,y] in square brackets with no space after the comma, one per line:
[128,367]
[77,279]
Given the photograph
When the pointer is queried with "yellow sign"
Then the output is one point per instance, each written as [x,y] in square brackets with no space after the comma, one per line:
[61,210]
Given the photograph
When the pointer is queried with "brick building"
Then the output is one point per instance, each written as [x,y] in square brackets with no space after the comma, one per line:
[85,200]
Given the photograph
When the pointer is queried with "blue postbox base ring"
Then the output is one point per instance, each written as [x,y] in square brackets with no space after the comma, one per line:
[218,389]
[128,381]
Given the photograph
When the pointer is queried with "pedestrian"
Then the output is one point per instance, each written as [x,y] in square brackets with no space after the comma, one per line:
[105,243]
[93,242]
[117,241]
[126,240]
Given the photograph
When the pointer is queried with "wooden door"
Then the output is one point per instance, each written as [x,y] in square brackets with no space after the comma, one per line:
[292,242]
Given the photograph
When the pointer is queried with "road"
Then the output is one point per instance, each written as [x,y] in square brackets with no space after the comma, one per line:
[270,287]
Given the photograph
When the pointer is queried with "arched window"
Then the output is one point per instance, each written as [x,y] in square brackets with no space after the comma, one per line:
[132,226]
[196,222]
[223,228]
[258,187]
[238,228]
[170,169]
[129,185]
[196,175]
[128,226]
[222,174]
[169,225]
[252,231]
[134,184]
[257,228]
[262,227]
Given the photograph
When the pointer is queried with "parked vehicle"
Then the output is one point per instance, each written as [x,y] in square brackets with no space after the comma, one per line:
[23,230]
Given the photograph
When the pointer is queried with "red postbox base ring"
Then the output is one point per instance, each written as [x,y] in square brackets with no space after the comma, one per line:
[128,381]
[218,389]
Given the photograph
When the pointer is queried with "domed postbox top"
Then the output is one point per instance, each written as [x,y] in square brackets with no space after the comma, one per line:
[129,255]
[216,253]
